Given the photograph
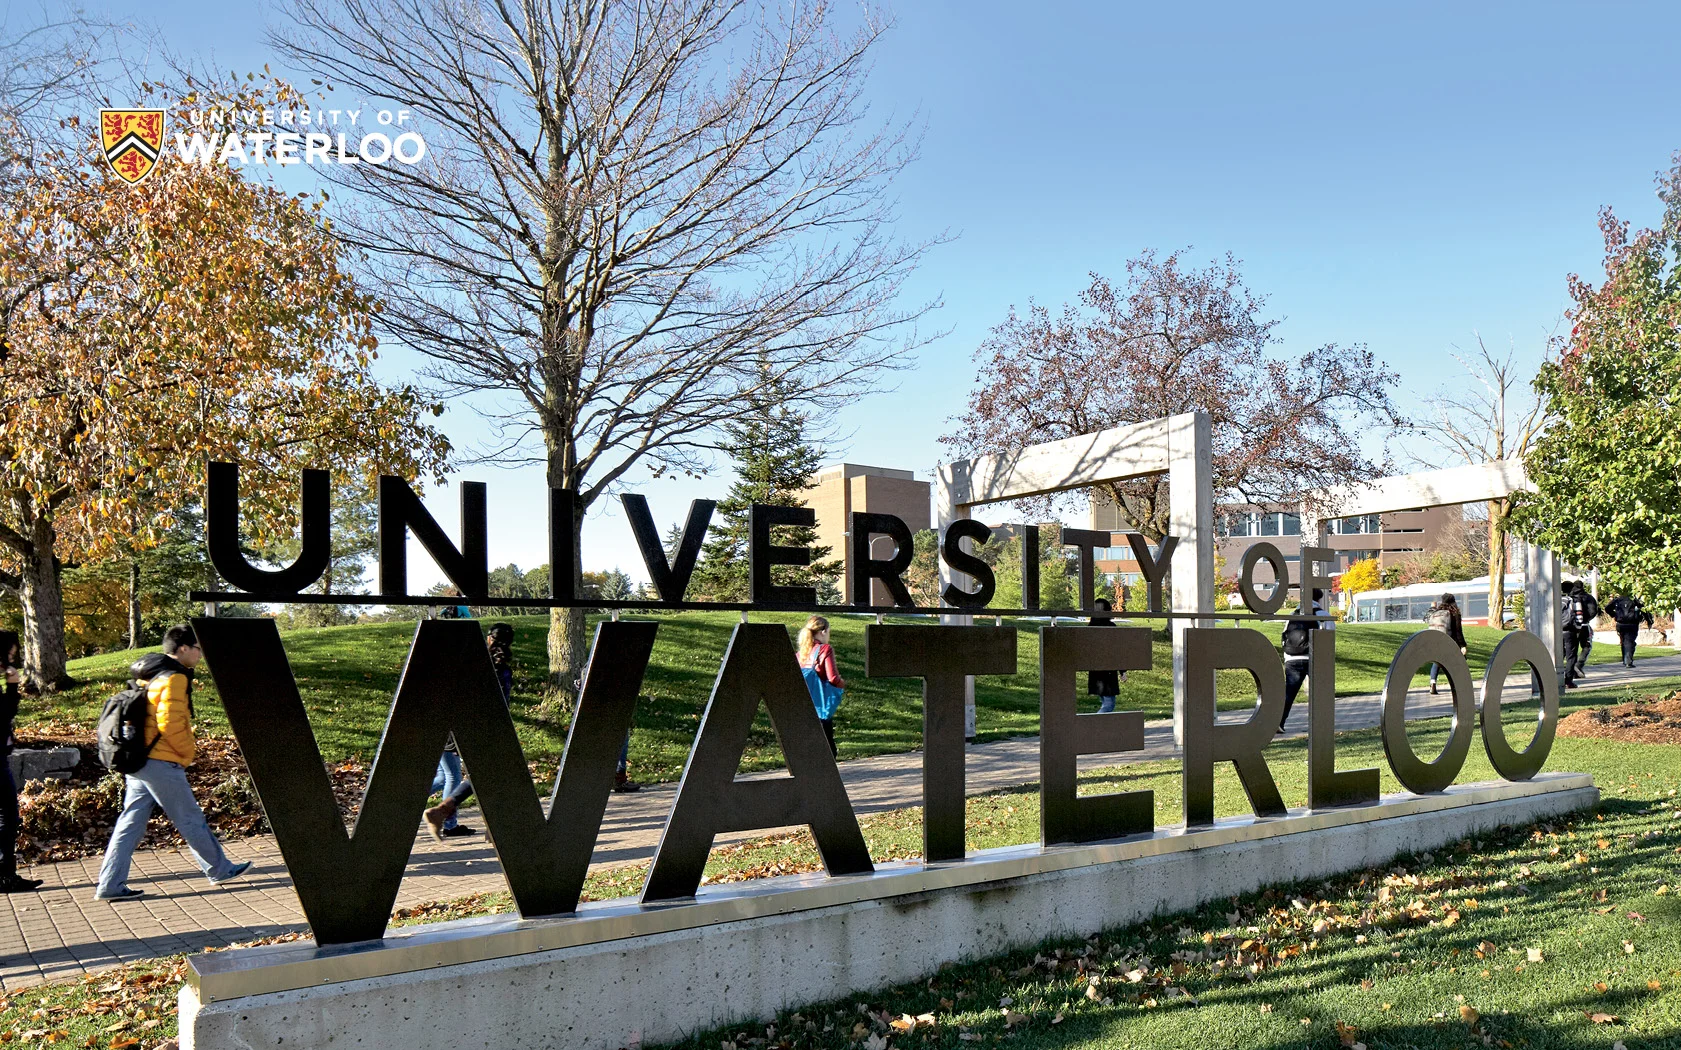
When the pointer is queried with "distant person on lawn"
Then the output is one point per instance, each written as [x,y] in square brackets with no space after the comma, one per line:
[822,675]
[1629,613]
[10,880]
[162,781]
[1105,685]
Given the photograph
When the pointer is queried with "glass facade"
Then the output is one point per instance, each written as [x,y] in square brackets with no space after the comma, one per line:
[1255,523]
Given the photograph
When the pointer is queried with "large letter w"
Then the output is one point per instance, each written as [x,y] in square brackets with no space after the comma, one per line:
[347,883]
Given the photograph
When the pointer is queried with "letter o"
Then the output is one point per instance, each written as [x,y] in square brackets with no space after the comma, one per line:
[1511,764]
[362,148]
[397,147]
[1246,579]
[1416,775]
[384,116]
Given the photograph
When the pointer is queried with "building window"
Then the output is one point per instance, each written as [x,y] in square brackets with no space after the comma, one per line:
[1292,525]
[1269,524]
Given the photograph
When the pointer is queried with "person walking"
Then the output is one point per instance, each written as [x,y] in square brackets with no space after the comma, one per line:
[1581,609]
[1105,685]
[162,781]
[10,880]
[1445,617]
[1298,650]
[822,676]
[1628,613]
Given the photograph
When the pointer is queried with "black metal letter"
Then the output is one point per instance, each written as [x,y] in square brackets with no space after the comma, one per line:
[1065,734]
[1511,764]
[671,578]
[400,510]
[1154,570]
[221,534]
[1085,540]
[962,561]
[347,884]
[861,568]
[941,657]
[761,554]
[1030,566]
[1417,776]
[563,543]
[1208,649]
[1264,551]
[1326,786]
[759,665]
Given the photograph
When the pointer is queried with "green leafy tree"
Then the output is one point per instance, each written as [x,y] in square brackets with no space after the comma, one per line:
[774,462]
[1607,493]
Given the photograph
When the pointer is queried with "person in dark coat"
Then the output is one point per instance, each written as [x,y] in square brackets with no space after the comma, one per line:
[1580,611]
[1105,685]
[1445,617]
[10,880]
[1629,614]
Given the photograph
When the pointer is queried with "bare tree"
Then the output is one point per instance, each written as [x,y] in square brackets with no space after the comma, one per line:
[626,207]
[1169,339]
[1495,417]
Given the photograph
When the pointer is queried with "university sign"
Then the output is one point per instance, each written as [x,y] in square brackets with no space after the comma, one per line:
[347,882]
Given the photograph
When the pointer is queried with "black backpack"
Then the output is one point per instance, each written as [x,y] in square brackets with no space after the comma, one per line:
[1296,634]
[122,730]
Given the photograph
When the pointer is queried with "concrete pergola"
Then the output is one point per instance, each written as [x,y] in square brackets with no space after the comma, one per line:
[1181,446]
[1448,487]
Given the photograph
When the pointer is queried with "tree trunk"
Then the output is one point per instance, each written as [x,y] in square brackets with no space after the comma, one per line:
[41,593]
[134,626]
[568,644]
[1497,512]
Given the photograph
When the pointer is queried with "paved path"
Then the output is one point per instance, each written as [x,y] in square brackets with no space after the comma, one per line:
[63,931]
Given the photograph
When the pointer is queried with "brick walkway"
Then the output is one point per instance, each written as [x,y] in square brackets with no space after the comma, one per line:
[62,931]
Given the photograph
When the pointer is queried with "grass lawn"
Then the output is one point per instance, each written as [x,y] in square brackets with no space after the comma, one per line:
[347,676]
[1564,935]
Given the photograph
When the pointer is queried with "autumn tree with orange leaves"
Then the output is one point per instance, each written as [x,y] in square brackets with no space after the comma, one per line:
[148,329]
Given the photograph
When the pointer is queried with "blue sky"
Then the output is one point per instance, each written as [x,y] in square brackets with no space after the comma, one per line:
[1401,176]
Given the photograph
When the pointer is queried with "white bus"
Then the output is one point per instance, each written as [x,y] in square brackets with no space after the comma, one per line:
[1412,602]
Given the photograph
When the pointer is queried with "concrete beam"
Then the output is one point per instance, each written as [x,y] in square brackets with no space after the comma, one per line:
[1055,466]
[1450,486]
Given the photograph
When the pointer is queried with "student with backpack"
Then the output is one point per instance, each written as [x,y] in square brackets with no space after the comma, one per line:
[822,677]
[150,741]
[1581,609]
[1627,611]
[10,880]
[1445,617]
[1296,646]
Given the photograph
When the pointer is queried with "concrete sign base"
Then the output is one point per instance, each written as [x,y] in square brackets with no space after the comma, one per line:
[630,974]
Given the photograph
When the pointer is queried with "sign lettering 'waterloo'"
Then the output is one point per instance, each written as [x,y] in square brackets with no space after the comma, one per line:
[347,883]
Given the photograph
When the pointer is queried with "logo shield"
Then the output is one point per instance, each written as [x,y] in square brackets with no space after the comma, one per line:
[132,140]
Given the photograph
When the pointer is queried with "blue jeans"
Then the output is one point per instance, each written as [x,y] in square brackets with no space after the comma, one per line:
[163,785]
[447,778]
[1105,704]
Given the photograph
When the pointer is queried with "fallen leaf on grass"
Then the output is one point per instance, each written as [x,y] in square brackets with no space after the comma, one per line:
[1535,955]
[1011,1018]
[1602,1018]
[1628,947]
[1469,1015]
[875,1042]
[1655,985]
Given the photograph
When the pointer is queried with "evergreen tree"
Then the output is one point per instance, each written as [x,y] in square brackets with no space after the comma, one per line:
[775,462]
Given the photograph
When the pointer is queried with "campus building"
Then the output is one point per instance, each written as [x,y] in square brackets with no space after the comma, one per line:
[1390,538]
[839,491]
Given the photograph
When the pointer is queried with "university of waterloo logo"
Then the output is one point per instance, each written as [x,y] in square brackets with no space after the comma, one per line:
[133,141]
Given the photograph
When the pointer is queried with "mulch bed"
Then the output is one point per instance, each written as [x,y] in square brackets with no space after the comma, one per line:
[1653,720]
[66,819]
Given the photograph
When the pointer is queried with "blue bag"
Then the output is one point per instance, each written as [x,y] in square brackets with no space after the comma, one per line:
[824,696]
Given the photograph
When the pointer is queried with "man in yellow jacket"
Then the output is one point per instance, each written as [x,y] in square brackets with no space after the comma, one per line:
[162,781]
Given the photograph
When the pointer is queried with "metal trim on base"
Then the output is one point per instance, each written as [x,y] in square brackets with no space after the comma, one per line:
[221,976]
